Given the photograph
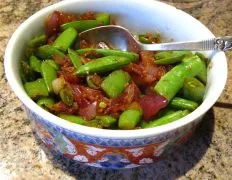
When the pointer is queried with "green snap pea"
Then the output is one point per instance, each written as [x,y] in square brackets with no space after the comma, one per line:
[103,64]
[171,57]
[166,119]
[45,102]
[75,58]
[92,123]
[26,72]
[182,104]
[66,96]
[106,121]
[90,82]
[66,39]
[114,84]
[47,52]
[37,41]
[53,64]
[104,18]
[73,119]
[110,52]
[35,64]
[193,89]
[203,74]
[169,84]
[129,119]
[81,25]
[49,74]
[36,88]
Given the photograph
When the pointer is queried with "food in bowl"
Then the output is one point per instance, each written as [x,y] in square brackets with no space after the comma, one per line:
[98,86]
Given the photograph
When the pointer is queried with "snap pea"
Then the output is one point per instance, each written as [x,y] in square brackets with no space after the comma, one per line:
[45,102]
[166,119]
[35,64]
[75,58]
[36,88]
[182,104]
[92,123]
[106,121]
[49,74]
[81,25]
[193,89]
[47,52]
[143,38]
[53,64]
[173,81]
[72,118]
[37,41]
[203,74]
[129,119]
[171,57]
[66,95]
[110,52]
[103,64]
[66,39]
[104,18]
[114,84]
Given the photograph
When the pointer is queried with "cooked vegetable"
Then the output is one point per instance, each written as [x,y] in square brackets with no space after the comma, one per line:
[115,83]
[35,64]
[101,65]
[129,119]
[107,121]
[81,25]
[173,81]
[47,52]
[193,89]
[37,41]
[73,119]
[46,102]
[49,74]
[36,88]
[110,52]
[180,103]
[166,119]
[75,58]
[66,39]
[66,96]
[104,18]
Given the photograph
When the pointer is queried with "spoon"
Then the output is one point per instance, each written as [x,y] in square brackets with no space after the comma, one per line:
[121,38]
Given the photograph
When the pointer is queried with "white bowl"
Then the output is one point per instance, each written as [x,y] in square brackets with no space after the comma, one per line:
[116,148]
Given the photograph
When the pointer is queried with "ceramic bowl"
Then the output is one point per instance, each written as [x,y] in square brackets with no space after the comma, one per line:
[117,148]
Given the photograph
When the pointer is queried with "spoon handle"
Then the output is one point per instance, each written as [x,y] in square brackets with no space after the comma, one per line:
[220,44]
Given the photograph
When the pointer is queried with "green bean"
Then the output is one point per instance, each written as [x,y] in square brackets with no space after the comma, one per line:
[182,104]
[35,64]
[66,96]
[104,18]
[173,81]
[193,89]
[103,64]
[75,58]
[171,57]
[81,25]
[53,64]
[166,119]
[37,41]
[73,119]
[129,119]
[46,102]
[36,88]
[66,39]
[106,121]
[114,84]
[49,74]
[47,52]
[110,52]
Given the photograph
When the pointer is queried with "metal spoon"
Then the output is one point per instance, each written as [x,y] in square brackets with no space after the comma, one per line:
[121,38]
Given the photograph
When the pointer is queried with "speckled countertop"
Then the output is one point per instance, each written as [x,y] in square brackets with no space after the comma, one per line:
[208,155]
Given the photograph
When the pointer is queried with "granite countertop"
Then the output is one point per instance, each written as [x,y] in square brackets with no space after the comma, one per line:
[208,155]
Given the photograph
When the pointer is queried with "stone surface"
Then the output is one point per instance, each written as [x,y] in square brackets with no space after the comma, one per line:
[207,155]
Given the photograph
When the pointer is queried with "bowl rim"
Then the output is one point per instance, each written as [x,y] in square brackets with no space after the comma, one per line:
[95,132]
